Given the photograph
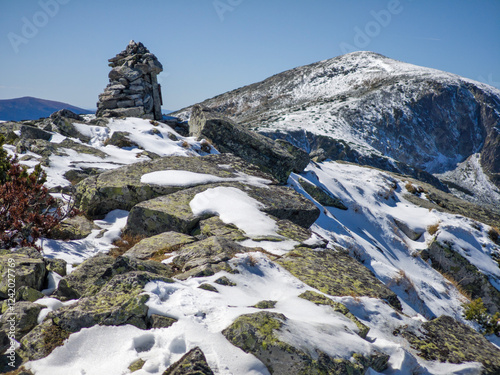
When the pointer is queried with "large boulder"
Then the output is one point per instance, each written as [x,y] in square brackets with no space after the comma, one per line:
[73,228]
[446,340]
[173,212]
[42,340]
[258,334]
[337,274]
[93,274]
[121,301]
[278,159]
[160,244]
[24,267]
[24,317]
[205,256]
[122,188]
[447,260]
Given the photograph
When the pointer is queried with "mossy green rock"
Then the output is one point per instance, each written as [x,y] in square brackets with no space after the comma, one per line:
[42,340]
[258,334]
[208,287]
[212,250]
[26,293]
[446,260]
[337,274]
[56,265]
[229,137]
[28,270]
[191,363]
[24,314]
[214,226]
[446,340]
[320,299]
[90,276]
[162,243]
[267,304]
[173,213]
[136,365]
[224,281]
[93,272]
[122,188]
[121,301]
[73,228]
[160,321]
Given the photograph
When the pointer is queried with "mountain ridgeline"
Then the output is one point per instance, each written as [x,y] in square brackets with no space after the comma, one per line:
[366,108]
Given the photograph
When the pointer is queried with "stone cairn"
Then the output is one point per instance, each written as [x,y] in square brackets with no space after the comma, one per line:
[133,89]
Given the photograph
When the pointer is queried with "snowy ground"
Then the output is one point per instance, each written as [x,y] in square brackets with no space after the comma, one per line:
[367,229]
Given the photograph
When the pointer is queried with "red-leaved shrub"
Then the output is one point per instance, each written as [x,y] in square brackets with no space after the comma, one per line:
[27,210]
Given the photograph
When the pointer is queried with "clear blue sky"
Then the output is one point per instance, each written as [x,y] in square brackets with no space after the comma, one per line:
[208,47]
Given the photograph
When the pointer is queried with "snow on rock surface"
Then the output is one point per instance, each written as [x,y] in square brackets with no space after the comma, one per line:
[374,107]
[377,229]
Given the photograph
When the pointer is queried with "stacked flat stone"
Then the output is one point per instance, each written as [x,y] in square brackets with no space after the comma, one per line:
[133,89]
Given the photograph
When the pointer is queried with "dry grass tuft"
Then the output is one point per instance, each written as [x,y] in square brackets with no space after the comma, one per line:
[456,284]
[494,235]
[125,243]
[432,229]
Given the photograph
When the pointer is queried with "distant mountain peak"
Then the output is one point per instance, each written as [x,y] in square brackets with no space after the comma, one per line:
[379,108]
[31,108]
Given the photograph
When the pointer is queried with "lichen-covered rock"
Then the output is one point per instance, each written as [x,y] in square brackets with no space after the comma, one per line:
[56,265]
[322,196]
[121,301]
[191,363]
[22,315]
[95,270]
[211,251]
[42,340]
[122,188]
[160,321]
[26,266]
[255,148]
[173,213]
[26,293]
[73,228]
[214,226]
[320,299]
[90,276]
[258,334]
[267,304]
[160,244]
[121,139]
[446,340]
[445,259]
[136,365]
[337,274]
[208,287]
[224,281]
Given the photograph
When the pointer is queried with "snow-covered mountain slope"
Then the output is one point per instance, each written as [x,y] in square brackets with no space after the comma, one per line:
[381,228]
[380,107]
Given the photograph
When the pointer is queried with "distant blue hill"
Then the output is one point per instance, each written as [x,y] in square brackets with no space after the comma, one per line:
[29,108]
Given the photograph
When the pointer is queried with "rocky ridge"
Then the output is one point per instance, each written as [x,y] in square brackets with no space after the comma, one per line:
[284,299]
[369,109]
